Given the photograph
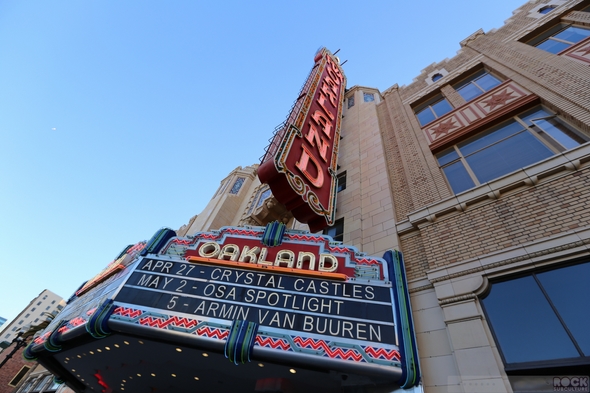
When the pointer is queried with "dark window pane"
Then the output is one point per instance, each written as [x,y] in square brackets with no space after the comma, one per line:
[441,107]
[490,137]
[547,9]
[469,91]
[447,156]
[487,82]
[425,116]
[568,290]
[458,177]
[436,77]
[341,182]
[509,155]
[553,46]
[573,34]
[336,231]
[525,326]
[350,102]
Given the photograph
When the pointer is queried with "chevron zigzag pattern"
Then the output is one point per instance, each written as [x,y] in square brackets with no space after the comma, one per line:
[269,342]
[161,321]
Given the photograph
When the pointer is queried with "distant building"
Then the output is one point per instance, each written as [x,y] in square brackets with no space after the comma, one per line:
[2,320]
[16,368]
[39,380]
[46,303]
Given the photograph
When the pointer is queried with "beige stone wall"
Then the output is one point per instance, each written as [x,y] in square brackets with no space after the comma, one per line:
[226,208]
[556,206]
[366,203]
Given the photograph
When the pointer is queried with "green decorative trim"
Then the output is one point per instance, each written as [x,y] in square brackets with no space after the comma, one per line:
[238,346]
[273,234]
[405,326]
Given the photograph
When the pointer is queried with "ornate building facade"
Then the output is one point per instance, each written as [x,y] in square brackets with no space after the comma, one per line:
[479,173]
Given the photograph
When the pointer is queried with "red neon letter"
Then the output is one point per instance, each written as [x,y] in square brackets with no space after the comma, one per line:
[317,181]
[321,100]
[327,90]
[323,122]
[313,137]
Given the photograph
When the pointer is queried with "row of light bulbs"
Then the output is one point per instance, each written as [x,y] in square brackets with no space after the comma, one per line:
[107,348]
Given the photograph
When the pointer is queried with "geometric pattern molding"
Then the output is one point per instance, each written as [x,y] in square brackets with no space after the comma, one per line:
[579,52]
[494,103]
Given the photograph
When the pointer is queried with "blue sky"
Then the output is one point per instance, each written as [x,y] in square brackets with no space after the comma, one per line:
[120,117]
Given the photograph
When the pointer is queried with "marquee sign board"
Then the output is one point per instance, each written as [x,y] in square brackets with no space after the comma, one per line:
[300,163]
[253,294]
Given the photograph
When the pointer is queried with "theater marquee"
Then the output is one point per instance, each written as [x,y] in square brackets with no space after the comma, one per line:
[300,163]
[252,295]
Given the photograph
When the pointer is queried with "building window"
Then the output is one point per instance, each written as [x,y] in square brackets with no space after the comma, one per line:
[261,195]
[38,303]
[237,185]
[341,182]
[525,139]
[476,85]
[336,231]
[436,77]
[350,102]
[368,97]
[52,387]
[547,9]
[432,110]
[537,317]
[33,309]
[17,378]
[560,38]
[41,382]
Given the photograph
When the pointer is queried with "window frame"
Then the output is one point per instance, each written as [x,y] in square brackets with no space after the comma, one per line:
[549,35]
[338,227]
[534,129]
[368,97]
[472,79]
[341,185]
[428,105]
[350,101]
[237,185]
[546,9]
[516,368]
[22,373]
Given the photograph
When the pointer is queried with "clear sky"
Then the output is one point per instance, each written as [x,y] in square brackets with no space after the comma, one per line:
[120,117]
